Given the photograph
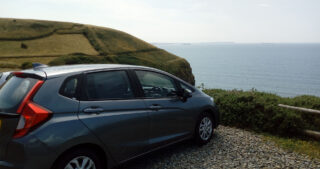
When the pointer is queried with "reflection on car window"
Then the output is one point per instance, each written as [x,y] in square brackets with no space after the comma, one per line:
[108,85]
[156,85]
[185,87]
[13,92]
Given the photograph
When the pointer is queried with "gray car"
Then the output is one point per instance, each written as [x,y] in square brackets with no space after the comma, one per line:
[97,116]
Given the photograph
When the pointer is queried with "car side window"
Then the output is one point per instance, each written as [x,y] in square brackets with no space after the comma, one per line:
[108,85]
[69,87]
[156,85]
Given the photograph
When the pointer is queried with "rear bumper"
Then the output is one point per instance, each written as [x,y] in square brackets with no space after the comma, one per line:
[27,153]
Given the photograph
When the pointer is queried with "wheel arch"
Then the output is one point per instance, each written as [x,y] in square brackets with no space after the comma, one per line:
[213,110]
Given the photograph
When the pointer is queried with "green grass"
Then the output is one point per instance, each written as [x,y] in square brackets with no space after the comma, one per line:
[67,41]
[5,63]
[9,65]
[23,29]
[112,41]
[308,147]
[52,45]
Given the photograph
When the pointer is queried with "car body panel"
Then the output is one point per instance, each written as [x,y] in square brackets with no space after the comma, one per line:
[125,129]
[121,126]
[169,122]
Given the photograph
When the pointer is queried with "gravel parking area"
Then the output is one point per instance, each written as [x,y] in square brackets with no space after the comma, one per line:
[229,148]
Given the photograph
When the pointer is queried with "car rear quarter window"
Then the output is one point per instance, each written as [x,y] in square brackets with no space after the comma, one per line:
[70,87]
[156,85]
[13,92]
[108,85]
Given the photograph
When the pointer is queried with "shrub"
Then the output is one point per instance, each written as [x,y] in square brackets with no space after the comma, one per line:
[260,112]
[26,65]
[24,46]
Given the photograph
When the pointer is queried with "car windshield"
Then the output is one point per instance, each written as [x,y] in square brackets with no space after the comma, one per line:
[13,92]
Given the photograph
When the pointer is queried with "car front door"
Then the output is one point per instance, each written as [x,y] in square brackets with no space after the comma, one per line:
[111,111]
[168,117]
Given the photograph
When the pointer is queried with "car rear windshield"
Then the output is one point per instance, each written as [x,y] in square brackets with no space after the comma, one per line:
[13,92]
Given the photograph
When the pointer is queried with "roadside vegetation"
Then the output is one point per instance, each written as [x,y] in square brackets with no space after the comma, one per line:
[57,43]
[259,111]
[302,146]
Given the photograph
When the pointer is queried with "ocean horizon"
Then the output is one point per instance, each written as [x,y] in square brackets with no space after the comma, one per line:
[285,69]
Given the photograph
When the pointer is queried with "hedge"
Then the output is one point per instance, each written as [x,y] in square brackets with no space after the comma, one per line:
[260,112]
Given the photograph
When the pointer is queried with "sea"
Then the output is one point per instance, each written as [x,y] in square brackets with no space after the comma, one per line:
[287,70]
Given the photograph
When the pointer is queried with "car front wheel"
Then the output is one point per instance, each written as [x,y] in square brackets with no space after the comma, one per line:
[204,129]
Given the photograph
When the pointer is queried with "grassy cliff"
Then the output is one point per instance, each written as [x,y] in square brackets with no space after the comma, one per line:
[55,43]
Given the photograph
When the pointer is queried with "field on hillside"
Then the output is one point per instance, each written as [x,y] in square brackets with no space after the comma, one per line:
[54,45]
[25,41]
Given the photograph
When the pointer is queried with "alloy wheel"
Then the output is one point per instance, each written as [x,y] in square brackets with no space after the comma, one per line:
[81,162]
[205,128]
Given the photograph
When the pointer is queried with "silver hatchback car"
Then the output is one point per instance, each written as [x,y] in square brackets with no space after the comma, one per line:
[97,116]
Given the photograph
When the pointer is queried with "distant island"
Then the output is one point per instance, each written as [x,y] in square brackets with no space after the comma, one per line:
[193,43]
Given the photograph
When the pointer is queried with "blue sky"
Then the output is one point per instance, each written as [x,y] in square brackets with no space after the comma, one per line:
[243,21]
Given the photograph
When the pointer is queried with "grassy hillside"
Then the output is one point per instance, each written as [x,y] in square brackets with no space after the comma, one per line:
[55,45]
[25,41]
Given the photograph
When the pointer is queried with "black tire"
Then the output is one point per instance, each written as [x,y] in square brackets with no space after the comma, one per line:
[62,162]
[201,140]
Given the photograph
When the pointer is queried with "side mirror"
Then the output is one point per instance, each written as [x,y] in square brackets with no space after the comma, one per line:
[184,94]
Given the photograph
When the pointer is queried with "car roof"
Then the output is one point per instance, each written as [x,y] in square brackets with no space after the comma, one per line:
[66,69]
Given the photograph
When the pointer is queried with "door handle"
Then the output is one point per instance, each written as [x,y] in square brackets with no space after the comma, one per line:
[155,107]
[93,110]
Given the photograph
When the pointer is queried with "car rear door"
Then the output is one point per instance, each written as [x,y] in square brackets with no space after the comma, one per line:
[12,94]
[169,118]
[113,113]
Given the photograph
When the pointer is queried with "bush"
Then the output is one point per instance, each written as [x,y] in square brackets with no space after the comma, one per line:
[260,112]
[24,46]
[26,65]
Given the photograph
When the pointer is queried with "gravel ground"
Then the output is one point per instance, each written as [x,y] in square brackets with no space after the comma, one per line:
[229,148]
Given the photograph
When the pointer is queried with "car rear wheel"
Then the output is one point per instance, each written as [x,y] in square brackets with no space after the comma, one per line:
[79,159]
[204,129]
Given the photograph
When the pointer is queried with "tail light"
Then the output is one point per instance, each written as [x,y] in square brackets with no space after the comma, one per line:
[32,115]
